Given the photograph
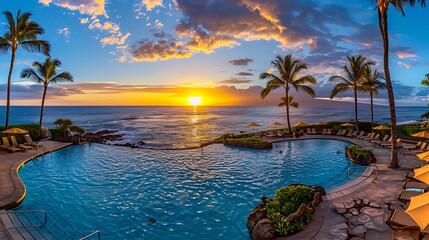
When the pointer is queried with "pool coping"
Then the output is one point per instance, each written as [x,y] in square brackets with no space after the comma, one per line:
[11,177]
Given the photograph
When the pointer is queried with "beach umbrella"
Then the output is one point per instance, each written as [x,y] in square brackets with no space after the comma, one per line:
[422,134]
[15,131]
[418,209]
[253,125]
[301,124]
[424,156]
[382,127]
[422,174]
[276,124]
[321,124]
[347,124]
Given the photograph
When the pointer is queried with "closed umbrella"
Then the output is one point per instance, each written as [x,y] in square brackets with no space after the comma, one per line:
[301,124]
[424,156]
[15,131]
[347,124]
[382,127]
[422,134]
[418,209]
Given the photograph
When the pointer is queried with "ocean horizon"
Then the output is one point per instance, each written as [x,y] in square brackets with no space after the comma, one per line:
[165,127]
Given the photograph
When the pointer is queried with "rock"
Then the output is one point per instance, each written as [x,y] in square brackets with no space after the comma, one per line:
[338,236]
[357,238]
[340,210]
[363,218]
[358,201]
[377,227]
[365,201]
[354,211]
[339,205]
[372,211]
[338,227]
[358,230]
[348,215]
[372,159]
[349,204]
[265,200]
[258,213]
[264,230]
[374,204]
[320,189]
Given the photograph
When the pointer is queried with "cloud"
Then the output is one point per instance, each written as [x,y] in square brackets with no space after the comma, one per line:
[115,40]
[402,64]
[235,81]
[90,7]
[241,62]
[244,74]
[151,4]
[107,26]
[84,20]
[158,24]
[65,32]
[161,50]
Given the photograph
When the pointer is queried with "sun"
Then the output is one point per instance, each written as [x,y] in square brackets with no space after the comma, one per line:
[195,101]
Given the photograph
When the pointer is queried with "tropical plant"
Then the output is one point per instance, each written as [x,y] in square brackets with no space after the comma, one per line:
[426,115]
[425,82]
[382,9]
[67,128]
[289,103]
[46,73]
[372,83]
[289,77]
[355,74]
[20,32]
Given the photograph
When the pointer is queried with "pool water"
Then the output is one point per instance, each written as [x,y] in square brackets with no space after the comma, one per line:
[191,194]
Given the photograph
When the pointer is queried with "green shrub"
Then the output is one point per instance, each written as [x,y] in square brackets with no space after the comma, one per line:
[248,142]
[286,201]
[32,129]
[56,133]
[358,150]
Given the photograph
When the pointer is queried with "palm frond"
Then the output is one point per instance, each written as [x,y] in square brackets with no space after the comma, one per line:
[339,88]
[32,75]
[339,79]
[36,46]
[4,45]
[307,90]
[62,77]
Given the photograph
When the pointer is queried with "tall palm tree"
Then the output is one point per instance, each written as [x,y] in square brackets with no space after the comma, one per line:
[289,77]
[383,7]
[20,32]
[289,102]
[425,82]
[46,73]
[355,73]
[372,83]
[426,115]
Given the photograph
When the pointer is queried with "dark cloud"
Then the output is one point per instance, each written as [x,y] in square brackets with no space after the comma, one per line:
[35,91]
[235,81]
[244,74]
[241,62]
[161,50]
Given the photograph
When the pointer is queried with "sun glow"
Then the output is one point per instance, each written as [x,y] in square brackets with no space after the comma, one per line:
[195,101]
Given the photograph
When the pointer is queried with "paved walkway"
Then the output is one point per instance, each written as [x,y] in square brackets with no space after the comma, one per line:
[12,189]
[372,196]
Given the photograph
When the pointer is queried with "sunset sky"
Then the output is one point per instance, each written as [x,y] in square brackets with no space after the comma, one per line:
[160,52]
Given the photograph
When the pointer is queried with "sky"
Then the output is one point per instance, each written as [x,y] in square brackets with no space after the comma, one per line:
[160,52]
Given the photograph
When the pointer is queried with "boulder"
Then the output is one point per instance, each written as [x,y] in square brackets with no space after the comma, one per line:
[264,230]
[258,213]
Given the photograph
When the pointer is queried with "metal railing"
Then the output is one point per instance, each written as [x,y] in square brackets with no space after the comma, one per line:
[28,211]
[92,234]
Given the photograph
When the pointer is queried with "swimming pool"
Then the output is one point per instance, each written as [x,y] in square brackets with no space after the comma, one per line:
[192,194]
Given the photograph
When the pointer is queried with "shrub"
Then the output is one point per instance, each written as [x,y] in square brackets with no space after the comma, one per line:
[358,150]
[286,201]
[248,142]
[32,129]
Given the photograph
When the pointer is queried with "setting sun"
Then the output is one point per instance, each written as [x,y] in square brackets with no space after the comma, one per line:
[195,101]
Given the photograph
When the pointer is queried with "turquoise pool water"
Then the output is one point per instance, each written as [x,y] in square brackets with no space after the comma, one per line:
[192,194]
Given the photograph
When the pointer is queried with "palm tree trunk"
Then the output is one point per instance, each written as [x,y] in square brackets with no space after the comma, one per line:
[287,111]
[12,62]
[372,110]
[383,28]
[356,111]
[42,106]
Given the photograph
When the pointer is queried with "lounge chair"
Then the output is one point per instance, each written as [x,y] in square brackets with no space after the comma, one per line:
[376,137]
[313,131]
[365,136]
[360,134]
[324,131]
[22,146]
[308,131]
[412,147]
[8,147]
[31,143]
[385,139]
[342,132]
[400,220]
[352,134]
[371,136]
[329,132]
[407,193]
[421,149]
[389,144]
[415,185]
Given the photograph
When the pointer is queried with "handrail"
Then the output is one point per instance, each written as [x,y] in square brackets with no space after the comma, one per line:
[92,234]
[355,167]
[28,211]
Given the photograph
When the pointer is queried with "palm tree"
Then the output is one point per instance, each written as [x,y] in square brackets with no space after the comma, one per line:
[371,84]
[21,32]
[46,74]
[290,102]
[425,82]
[383,7]
[289,70]
[355,73]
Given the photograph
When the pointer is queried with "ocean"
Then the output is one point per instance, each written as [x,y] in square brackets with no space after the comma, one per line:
[177,127]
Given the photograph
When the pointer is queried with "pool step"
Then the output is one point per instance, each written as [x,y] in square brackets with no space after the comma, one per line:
[29,223]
